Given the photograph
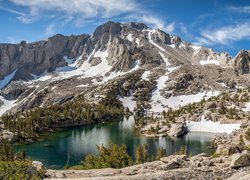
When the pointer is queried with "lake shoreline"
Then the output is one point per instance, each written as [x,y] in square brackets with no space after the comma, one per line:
[81,141]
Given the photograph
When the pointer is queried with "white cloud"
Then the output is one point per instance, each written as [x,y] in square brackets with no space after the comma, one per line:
[183,28]
[157,23]
[50,30]
[225,35]
[241,9]
[86,8]
[80,12]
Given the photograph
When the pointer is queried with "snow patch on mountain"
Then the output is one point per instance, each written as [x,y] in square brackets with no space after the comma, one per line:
[156,96]
[43,77]
[101,68]
[210,126]
[113,75]
[7,79]
[165,59]
[205,62]
[138,42]
[130,38]
[172,45]
[176,102]
[247,107]
[145,75]
[223,84]
[158,100]
[150,32]
[196,48]
[7,105]
[71,65]
[128,102]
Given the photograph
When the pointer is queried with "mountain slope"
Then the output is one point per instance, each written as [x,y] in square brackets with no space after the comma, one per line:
[148,68]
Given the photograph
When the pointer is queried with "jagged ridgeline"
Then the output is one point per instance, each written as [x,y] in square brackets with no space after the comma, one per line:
[146,66]
[30,124]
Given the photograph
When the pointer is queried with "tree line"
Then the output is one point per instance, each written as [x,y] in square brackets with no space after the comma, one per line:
[32,123]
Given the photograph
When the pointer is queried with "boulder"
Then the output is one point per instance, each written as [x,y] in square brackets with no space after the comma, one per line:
[38,165]
[6,134]
[242,62]
[178,129]
[227,149]
[176,158]
[199,157]
[171,165]
[163,129]
[240,160]
[211,105]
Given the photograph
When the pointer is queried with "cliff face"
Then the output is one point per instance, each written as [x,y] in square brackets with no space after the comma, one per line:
[38,57]
[242,62]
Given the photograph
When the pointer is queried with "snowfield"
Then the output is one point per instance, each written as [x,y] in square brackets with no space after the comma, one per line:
[205,62]
[210,126]
[165,59]
[7,79]
[160,103]
[7,105]
[130,38]
[145,75]
[247,108]
[196,48]
[176,102]
[128,102]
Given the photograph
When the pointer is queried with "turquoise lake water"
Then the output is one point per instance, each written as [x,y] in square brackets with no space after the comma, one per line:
[77,142]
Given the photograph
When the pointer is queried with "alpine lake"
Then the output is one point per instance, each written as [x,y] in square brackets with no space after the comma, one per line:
[72,144]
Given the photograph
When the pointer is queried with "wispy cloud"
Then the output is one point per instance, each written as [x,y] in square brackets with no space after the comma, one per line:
[225,35]
[50,29]
[157,23]
[25,18]
[183,28]
[239,9]
[85,8]
[80,12]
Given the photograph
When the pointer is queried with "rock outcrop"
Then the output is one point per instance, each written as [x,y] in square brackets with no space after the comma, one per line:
[240,159]
[242,62]
[178,129]
[35,58]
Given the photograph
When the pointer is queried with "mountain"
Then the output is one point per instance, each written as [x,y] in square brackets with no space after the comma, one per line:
[144,68]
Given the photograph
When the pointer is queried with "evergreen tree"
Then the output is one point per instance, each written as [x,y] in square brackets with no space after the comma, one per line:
[141,154]
[161,152]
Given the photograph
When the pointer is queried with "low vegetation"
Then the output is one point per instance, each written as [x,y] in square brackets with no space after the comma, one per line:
[15,165]
[115,156]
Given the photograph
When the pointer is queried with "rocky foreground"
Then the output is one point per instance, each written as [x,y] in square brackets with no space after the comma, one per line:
[230,161]
[201,166]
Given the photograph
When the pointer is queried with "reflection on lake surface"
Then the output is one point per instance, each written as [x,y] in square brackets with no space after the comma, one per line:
[80,141]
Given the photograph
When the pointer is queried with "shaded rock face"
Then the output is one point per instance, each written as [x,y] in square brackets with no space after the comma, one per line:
[38,57]
[242,62]
[178,129]
[240,160]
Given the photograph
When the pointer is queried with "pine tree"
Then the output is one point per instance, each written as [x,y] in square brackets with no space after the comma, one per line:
[161,152]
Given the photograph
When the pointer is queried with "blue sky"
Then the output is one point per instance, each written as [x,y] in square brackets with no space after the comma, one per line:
[223,25]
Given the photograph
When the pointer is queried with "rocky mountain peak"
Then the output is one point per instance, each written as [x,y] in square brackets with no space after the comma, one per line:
[242,62]
[138,26]
[109,27]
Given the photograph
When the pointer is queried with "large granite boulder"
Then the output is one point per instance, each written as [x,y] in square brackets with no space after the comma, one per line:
[178,129]
[240,159]
[242,62]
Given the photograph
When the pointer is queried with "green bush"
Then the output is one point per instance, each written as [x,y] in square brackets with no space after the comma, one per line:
[247,134]
[110,156]
[19,170]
